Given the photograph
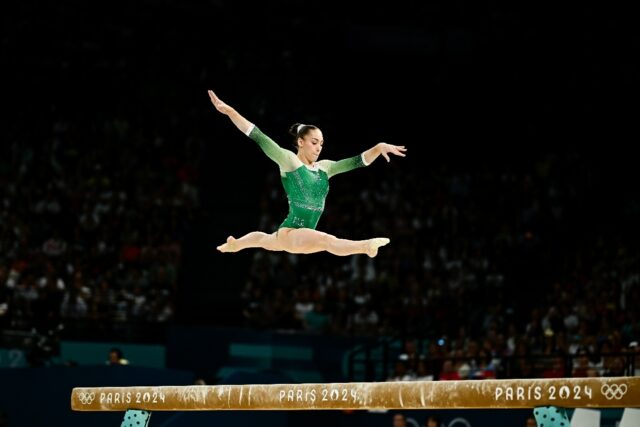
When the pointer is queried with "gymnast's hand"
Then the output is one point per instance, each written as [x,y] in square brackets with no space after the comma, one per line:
[241,123]
[386,149]
[220,106]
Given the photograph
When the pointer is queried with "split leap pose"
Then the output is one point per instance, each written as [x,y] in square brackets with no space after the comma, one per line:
[306,182]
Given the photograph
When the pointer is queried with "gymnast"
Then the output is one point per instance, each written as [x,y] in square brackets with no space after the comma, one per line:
[306,182]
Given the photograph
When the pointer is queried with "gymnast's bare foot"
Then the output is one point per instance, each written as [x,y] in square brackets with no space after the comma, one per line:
[374,244]
[230,246]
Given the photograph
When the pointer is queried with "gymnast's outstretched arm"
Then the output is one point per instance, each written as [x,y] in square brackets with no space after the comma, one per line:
[333,168]
[286,159]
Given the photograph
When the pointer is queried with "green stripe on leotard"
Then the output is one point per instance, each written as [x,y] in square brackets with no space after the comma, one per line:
[306,187]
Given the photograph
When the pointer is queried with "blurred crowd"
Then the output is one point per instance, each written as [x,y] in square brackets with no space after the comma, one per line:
[91,229]
[98,177]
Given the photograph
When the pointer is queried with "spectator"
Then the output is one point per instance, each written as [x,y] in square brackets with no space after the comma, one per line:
[317,320]
[400,372]
[582,366]
[433,421]
[556,370]
[365,321]
[116,357]
[399,420]
[422,372]
[449,373]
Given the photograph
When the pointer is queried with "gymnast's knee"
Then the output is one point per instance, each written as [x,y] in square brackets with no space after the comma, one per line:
[327,239]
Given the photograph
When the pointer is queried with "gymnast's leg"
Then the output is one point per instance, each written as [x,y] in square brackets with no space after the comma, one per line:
[255,239]
[307,240]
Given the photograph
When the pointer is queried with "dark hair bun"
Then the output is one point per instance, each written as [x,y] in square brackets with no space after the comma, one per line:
[293,130]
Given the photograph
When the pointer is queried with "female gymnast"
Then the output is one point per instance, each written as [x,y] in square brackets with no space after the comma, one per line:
[306,182]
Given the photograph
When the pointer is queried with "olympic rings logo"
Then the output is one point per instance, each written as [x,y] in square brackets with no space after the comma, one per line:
[86,398]
[613,391]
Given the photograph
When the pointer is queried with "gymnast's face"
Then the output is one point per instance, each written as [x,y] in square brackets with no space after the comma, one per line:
[310,145]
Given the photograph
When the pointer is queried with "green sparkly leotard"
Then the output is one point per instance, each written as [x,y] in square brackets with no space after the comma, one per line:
[306,186]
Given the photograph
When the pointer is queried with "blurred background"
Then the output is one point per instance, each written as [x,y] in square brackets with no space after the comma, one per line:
[513,219]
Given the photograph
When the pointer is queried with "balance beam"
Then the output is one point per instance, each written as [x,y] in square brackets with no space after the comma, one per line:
[615,392]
